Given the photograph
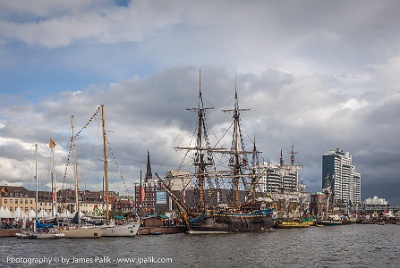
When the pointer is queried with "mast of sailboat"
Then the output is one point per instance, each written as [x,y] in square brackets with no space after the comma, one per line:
[75,167]
[53,179]
[255,179]
[37,186]
[235,145]
[105,163]
[201,169]
[200,163]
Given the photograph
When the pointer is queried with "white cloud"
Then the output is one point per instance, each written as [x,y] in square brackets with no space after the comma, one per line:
[319,74]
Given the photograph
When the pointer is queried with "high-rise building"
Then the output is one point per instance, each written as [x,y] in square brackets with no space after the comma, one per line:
[339,173]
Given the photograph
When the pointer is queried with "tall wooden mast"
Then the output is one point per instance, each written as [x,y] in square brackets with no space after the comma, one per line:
[75,166]
[200,147]
[105,163]
[236,150]
[52,144]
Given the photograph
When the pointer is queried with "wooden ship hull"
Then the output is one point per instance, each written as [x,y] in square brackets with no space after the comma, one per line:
[162,230]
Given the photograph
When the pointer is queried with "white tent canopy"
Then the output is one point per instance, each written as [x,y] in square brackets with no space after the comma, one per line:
[43,214]
[65,214]
[18,214]
[31,214]
[5,213]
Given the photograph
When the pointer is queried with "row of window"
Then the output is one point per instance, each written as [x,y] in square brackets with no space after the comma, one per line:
[18,194]
[21,201]
[26,209]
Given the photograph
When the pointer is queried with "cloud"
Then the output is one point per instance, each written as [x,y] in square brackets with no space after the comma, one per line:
[62,25]
[315,74]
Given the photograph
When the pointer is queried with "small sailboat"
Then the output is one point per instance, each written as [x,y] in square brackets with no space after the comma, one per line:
[40,230]
[77,230]
[46,231]
[113,230]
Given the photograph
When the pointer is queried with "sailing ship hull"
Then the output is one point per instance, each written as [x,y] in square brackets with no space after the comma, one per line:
[26,235]
[127,230]
[162,230]
[290,225]
[331,223]
[83,232]
[231,224]
[49,236]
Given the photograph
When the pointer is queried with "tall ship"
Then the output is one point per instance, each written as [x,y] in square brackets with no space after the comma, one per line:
[232,216]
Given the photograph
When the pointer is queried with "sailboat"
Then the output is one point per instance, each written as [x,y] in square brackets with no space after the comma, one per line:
[252,216]
[329,220]
[40,230]
[77,230]
[113,230]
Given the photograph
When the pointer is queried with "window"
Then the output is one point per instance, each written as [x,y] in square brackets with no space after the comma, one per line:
[11,209]
[26,201]
[11,201]
[21,201]
[5,201]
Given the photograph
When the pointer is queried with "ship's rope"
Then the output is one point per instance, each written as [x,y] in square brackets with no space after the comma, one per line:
[119,170]
[70,143]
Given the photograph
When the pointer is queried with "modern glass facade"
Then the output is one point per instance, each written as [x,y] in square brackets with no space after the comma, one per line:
[339,173]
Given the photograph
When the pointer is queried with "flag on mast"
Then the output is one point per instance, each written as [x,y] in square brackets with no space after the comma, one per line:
[52,144]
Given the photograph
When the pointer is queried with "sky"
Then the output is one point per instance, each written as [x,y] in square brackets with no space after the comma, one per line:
[319,75]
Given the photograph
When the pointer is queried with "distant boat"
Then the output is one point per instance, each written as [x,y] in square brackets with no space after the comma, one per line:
[332,220]
[292,224]
[125,230]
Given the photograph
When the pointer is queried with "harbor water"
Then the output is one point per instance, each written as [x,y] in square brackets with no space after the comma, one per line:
[357,245]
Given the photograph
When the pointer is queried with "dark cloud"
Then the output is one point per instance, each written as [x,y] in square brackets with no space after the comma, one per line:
[318,75]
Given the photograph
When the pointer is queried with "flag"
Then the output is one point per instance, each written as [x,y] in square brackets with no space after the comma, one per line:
[4,191]
[52,144]
[142,194]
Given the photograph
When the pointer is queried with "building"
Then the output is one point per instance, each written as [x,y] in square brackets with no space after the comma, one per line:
[339,172]
[376,204]
[279,178]
[13,197]
[150,198]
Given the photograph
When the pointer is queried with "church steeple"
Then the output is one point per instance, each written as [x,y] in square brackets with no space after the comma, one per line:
[149,176]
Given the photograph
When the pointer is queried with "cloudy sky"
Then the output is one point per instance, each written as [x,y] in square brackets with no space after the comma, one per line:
[316,74]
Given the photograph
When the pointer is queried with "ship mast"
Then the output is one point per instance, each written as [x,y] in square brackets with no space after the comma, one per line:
[75,167]
[37,185]
[105,163]
[53,179]
[200,147]
[235,150]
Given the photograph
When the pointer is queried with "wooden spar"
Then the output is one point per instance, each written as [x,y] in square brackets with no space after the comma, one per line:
[75,166]
[200,144]
[53,180]
[105,163]
[178,202]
